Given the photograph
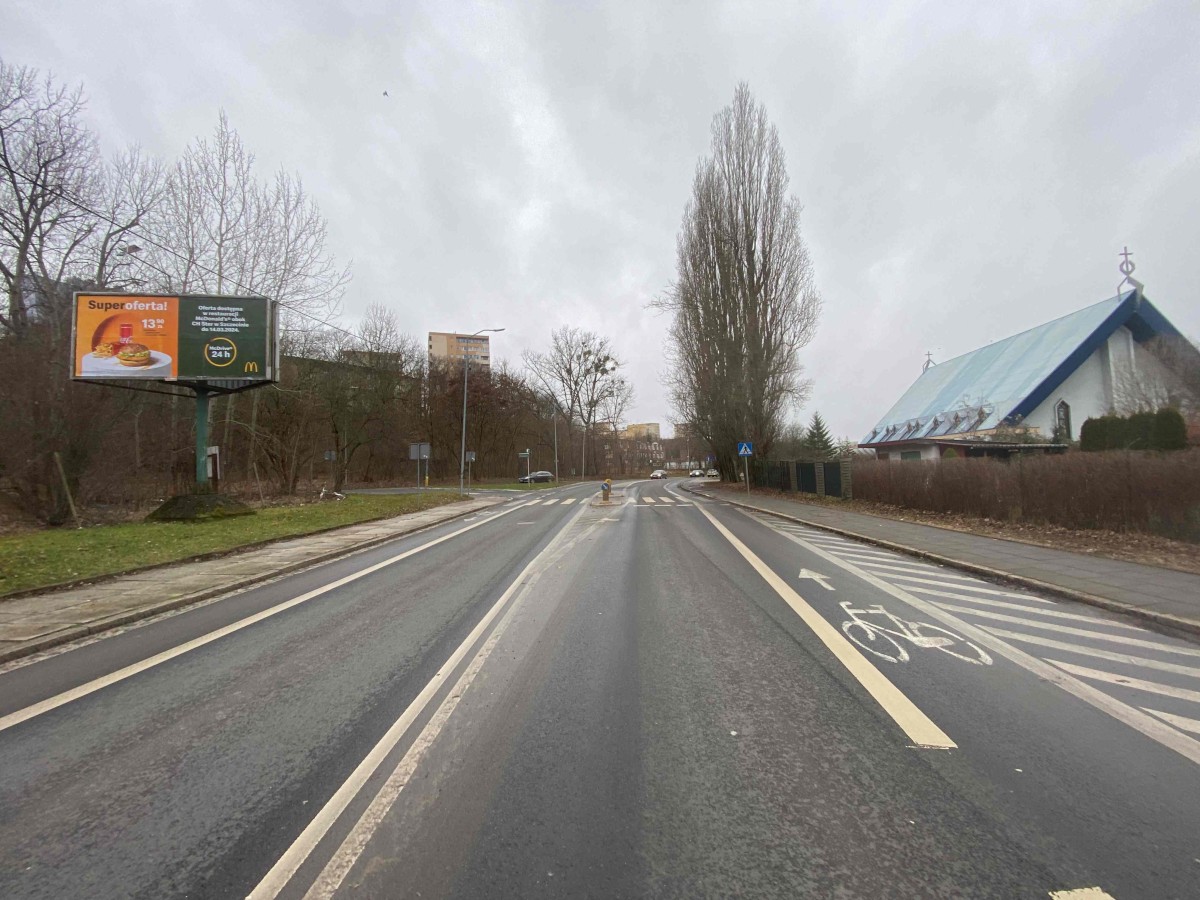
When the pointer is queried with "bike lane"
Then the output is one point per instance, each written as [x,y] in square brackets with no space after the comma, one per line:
[1062,773]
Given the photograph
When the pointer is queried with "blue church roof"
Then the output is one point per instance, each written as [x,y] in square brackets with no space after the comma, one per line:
[1007,380]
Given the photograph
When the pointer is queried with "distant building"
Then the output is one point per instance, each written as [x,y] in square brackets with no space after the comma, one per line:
[1030,391]
[452,348]
[645,431]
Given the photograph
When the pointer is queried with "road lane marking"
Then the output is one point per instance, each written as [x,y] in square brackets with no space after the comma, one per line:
[1079,632]
[910,570]
[1183,722]
[962,587]
[551,501]
[1133,717]
[952,596]
[96,684]
[1142,661]
[1092,893]
[534,502]
[1066,629]
[1052,613]
[919,727]
[343,859]
[665,500]
[648,499]
[567,501]
[1150,687]
[822,580]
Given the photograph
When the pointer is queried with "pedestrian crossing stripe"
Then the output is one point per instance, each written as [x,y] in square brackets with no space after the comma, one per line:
[551,501]
[648,499]
[568,501]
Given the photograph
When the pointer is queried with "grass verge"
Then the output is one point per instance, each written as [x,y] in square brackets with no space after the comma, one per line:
[43,558]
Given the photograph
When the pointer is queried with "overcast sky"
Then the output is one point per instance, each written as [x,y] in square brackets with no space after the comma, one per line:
[968,170]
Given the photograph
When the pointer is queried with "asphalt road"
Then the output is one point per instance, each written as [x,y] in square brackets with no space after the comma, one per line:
[664,697]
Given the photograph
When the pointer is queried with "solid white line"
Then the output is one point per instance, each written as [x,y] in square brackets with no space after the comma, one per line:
[919,727]
[129,671]
[962,587]
[277,878]
[1064,629]
[1133,717]
[1052,613]
[953,596]
[1181,722]
[1078,632]
[911,570]
[1153,687]
[1125,658]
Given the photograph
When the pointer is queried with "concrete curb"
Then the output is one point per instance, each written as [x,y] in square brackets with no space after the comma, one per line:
[1164,620]
[108,623]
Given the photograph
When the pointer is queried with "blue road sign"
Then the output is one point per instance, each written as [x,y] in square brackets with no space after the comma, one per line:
[745,448]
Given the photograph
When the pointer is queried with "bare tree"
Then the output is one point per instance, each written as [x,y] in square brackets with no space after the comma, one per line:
[579,373]
[48,160]
[744,299]
[129,190]
[1168,375]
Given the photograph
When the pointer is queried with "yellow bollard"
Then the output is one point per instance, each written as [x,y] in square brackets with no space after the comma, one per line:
[606,489]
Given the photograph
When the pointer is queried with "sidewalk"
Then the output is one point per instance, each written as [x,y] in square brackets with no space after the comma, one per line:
[36,622]
[1163,596]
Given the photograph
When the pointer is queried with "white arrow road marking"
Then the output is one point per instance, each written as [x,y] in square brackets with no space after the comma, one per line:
[1151,727]
[920,729]
[822,580]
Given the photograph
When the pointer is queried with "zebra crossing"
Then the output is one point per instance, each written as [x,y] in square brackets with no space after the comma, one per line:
[1154,673]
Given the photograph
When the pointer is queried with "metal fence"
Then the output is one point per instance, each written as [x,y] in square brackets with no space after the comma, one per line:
[825,479]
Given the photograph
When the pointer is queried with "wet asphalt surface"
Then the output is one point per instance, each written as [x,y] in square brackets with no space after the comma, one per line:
[653,721]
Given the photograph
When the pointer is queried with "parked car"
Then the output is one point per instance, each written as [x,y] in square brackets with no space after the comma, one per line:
[658,473]
[534,477]
[696,473]
[713,473]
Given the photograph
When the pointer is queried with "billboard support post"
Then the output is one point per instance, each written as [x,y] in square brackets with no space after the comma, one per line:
[201,437]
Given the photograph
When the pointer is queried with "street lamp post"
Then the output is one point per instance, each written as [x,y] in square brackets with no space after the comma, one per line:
[462,454]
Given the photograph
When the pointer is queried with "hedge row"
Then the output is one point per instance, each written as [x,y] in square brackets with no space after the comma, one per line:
[1157,493]
[1163,430]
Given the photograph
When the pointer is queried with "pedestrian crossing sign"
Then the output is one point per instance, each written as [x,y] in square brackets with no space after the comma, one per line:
[745,448]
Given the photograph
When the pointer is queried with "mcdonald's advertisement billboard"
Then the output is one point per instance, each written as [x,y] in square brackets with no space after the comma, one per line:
[174,338]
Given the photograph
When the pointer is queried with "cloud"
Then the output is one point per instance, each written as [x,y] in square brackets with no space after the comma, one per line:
[966,172]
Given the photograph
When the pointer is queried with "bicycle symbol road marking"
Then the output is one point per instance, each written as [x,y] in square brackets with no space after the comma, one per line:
[884,641]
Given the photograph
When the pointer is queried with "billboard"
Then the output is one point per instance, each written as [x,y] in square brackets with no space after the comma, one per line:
[174,338]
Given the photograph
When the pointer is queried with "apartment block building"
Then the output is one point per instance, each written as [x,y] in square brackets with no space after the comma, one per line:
[453,348]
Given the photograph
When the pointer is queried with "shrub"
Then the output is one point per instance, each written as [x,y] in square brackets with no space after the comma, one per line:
[1163,430]
[1125,490]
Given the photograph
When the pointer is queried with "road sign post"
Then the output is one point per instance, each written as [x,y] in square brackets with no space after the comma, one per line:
[420,452]
[745,451]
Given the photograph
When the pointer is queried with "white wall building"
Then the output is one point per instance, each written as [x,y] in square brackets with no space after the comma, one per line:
[1044,382]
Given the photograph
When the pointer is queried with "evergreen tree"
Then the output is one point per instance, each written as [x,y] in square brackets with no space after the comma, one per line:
[818,440]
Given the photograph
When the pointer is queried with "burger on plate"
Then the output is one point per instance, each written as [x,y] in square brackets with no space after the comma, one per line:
[103,350]
[133,355]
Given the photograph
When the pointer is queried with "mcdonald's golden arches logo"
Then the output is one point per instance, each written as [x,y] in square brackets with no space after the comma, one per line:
[251,366]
